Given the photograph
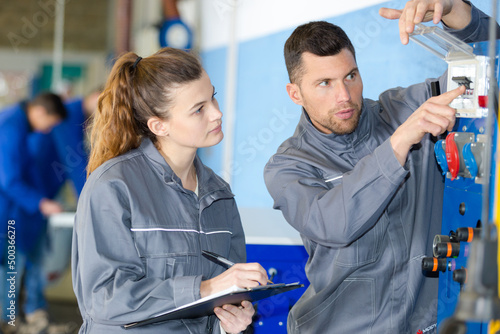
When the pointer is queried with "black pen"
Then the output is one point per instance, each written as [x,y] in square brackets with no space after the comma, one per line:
[220,260]
[216,258]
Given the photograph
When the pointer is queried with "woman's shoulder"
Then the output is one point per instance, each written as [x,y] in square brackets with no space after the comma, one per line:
[120,167]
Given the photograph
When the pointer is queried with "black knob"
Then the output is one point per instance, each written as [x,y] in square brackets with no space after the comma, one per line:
[447,249]
[460,275]
[434,264]
[467,234]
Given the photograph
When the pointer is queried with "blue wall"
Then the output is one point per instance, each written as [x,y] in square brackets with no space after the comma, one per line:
[265,116]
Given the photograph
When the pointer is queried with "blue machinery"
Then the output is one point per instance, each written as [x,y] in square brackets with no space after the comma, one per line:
[465,254]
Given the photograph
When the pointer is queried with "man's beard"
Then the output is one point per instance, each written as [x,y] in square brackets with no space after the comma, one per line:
[344,127]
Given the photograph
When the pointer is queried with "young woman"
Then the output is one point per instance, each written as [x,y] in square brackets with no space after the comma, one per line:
[149,206]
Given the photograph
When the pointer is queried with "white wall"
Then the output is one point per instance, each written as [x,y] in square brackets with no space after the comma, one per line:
[258,18]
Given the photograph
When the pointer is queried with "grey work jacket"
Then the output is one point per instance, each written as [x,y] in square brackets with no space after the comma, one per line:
[138,238]
[366,221]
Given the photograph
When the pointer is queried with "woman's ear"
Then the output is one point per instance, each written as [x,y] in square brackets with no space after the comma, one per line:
[158,126]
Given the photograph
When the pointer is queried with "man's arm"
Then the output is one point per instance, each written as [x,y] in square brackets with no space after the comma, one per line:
[455,14]
[329,212]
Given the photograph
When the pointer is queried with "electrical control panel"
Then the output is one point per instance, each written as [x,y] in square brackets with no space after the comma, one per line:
[461,157]
[471,73]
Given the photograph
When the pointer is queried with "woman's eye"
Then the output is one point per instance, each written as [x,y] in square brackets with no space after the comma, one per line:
[324,83]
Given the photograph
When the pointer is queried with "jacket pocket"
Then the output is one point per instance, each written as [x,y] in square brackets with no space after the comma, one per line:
[166,252]
[364,250]
[358,293]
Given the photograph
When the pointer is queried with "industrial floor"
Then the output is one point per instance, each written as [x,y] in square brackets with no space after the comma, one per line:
[65,317]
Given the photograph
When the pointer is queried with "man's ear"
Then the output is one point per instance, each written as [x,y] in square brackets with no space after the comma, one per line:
[293,91]
[158,126]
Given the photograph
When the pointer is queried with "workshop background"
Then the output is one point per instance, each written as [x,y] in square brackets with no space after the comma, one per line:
[240,43]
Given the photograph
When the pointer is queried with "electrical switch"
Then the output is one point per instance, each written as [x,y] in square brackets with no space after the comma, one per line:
[482,101]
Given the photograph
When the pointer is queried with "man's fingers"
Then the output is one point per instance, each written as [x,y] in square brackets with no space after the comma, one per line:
[403,35]
[420,13]
[447,97]
[438,13]
[390,13]
[409,17]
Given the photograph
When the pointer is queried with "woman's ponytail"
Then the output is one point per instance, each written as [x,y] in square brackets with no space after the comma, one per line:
[114,129]
[136,90]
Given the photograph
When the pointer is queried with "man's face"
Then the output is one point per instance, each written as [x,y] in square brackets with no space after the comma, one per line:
[331,91]
[41,120]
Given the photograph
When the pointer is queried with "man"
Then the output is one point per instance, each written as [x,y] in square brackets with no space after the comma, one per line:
[22,205]
[359,181]
[69,138]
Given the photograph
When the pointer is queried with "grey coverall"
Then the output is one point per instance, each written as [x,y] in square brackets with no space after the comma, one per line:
[138,238]
[366,221]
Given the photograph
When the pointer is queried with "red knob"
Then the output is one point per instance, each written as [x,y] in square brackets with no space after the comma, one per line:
[452,156]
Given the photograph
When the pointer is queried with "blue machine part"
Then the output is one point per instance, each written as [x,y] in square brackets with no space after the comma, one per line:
[176,34]
[470,160]
[441,156]
[284,264]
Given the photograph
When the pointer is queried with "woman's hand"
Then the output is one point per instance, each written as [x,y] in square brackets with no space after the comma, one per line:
[243,275]
[235,319]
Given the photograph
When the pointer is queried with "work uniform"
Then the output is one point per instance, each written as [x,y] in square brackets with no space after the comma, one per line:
[366,221]
[21,224]
[19,197]
[138,238]
[68,137]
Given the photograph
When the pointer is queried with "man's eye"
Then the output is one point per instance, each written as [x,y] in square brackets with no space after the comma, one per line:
[324,83]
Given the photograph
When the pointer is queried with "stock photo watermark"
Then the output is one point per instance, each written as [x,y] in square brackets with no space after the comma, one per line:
[11,273]
[73,159]
[31,26]
[256,143]
[373,25]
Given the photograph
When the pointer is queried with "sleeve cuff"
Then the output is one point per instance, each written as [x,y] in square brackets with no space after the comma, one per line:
[186,289]
[470,29]
[389,164]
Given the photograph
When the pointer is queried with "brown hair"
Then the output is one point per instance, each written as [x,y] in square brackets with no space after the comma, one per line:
[136,90]
[320,38]
[51,102]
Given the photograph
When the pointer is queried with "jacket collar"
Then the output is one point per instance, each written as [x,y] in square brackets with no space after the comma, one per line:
[208,182]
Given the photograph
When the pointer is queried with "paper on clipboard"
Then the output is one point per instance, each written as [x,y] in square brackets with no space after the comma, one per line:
[205,306]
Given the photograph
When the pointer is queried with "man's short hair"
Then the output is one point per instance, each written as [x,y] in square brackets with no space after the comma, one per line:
[51,102]
[320,38]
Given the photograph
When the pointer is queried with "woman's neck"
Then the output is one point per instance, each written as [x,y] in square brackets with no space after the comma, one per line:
[182,163]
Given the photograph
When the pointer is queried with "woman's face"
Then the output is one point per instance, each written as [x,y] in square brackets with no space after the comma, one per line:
[195,120]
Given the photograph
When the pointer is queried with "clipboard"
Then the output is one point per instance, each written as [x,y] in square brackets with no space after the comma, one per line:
[205,306]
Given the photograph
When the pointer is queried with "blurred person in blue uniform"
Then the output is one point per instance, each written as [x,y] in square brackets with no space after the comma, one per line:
[69,140]
[23,205]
